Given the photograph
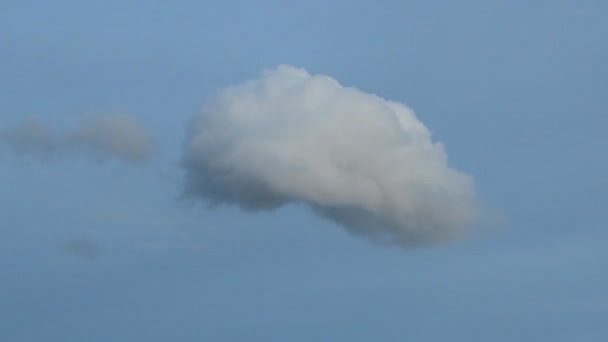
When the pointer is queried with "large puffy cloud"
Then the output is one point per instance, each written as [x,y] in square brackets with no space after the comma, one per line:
[110,136]
[361,161]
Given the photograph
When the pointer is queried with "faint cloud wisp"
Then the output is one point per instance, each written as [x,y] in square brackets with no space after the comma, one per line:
[83,248]
[117,136]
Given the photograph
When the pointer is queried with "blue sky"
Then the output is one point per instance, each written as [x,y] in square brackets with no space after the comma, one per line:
[516,90]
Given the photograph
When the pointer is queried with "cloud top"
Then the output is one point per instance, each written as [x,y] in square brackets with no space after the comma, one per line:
[359,160]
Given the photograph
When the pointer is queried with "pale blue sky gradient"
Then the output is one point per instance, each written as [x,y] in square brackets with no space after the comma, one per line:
[516,90]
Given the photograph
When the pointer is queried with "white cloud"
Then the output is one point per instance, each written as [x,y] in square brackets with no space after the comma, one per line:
[364,162]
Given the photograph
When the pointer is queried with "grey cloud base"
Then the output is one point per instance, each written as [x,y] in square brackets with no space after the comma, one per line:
[363,162]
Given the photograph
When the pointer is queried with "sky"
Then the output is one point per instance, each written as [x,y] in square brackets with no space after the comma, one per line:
[98,248]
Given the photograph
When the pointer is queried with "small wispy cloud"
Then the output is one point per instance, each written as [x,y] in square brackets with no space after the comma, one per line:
[110,136]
